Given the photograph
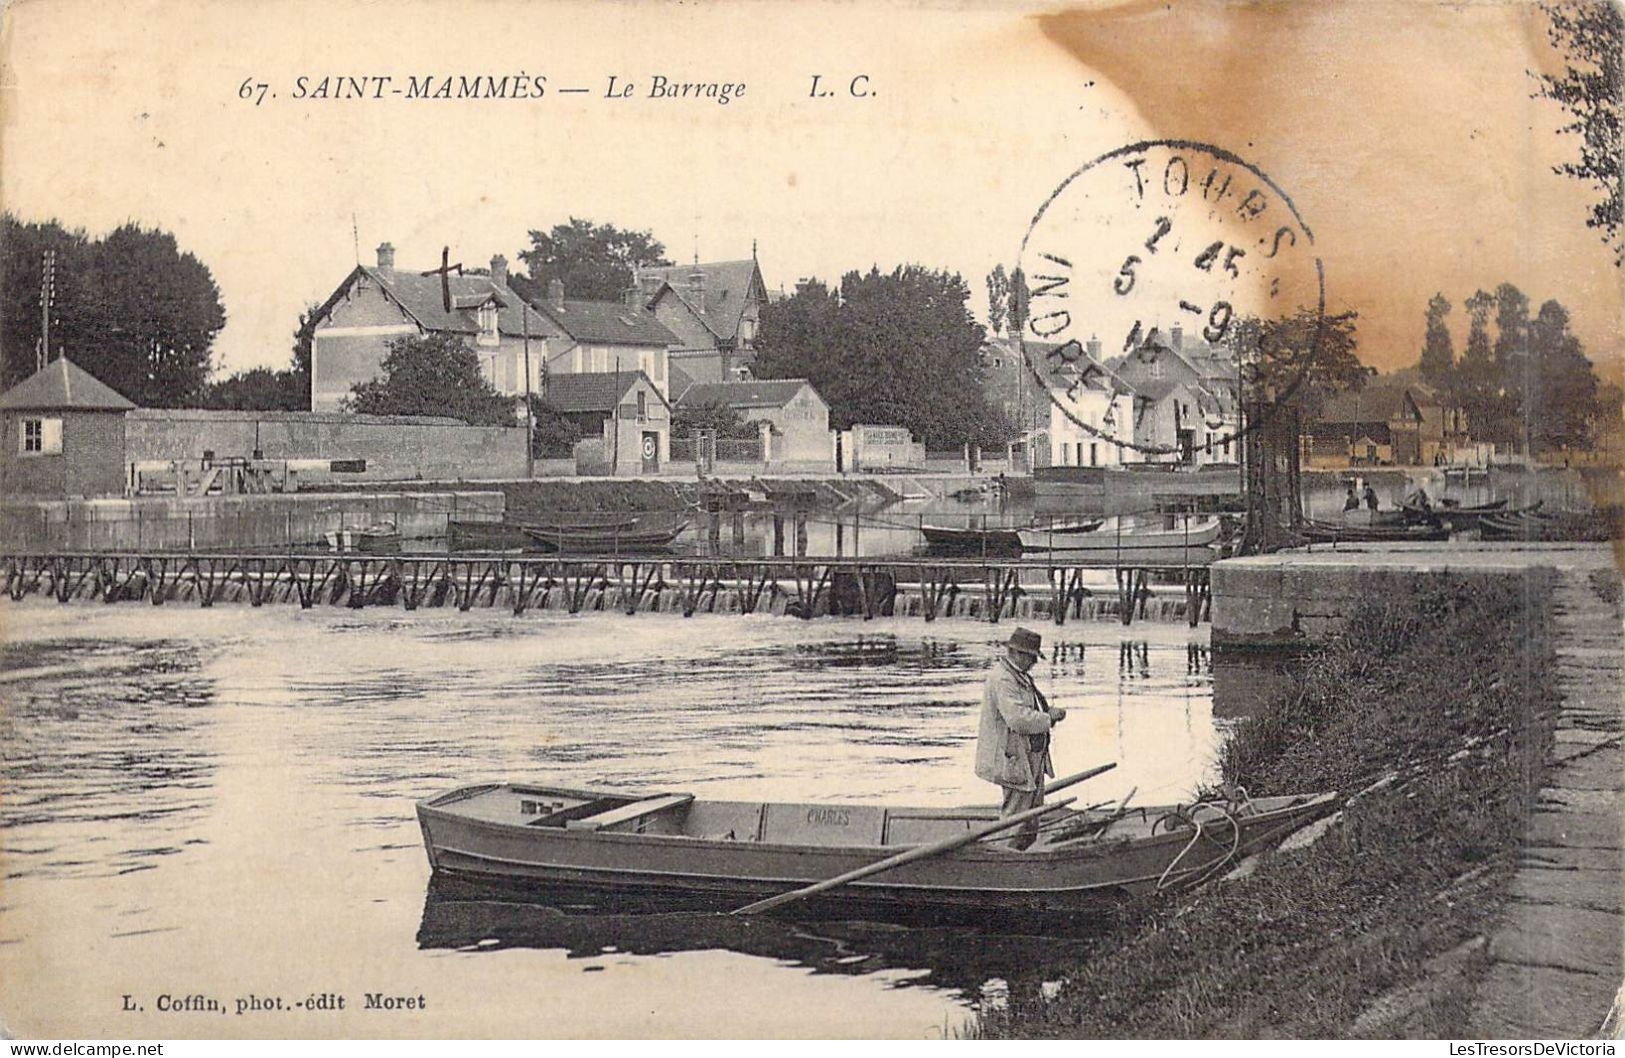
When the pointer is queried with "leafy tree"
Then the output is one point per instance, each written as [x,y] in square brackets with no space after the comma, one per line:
[303,339]
[1590,34]
[434,375]
[1305,359]
[1609,413]
[1478,378]
[1560,398]
[1511,328]
[22,248]
[553,435]
[153,312]
[131,309]
[593,261]
[998,299]
[896,348]
[1019,301]
[1438,353]
[1514,367]
[258,389]
[712,415]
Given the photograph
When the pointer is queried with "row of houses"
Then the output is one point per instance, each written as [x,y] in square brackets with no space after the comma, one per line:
[1178,401]
[677,325]
[1174,401]
[615,370]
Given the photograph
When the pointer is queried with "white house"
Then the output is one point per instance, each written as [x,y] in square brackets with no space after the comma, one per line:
[1091,409]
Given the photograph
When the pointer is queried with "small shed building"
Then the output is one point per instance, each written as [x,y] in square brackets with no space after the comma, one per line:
[63,434]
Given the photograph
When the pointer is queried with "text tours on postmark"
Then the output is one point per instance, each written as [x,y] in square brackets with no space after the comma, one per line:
[1163,247]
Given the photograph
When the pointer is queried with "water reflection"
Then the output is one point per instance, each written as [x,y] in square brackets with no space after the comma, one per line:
[227,794]
[476,918]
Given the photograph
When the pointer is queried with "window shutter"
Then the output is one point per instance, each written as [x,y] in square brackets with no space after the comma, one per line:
[52,437]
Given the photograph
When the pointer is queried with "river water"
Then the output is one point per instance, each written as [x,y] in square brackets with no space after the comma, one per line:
[219,803]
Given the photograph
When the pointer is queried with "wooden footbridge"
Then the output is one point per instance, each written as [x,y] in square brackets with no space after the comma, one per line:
[986,588]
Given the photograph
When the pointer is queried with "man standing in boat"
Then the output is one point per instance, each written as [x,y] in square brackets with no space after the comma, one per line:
[1012,744]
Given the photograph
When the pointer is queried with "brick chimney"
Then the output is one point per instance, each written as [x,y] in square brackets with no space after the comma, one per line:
[1177,335]
[555,293]
[499,271]
[1093,347]
[696,290]
[386,255]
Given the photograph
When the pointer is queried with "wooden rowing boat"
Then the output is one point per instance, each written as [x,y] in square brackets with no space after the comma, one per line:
[484,536]
[727,852]
[1333,532]
[1455,516]
[609,538]
[1138,542]
[996,540]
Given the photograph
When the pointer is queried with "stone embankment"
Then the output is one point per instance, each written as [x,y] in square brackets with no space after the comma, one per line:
[1554,959]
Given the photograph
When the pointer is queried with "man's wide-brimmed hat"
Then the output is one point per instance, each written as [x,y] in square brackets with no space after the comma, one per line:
[1027,641]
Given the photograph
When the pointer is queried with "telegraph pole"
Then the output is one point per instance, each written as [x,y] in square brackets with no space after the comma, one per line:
[530,421]
[47,294]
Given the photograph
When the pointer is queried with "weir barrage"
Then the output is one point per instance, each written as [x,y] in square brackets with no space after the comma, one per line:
[988,589]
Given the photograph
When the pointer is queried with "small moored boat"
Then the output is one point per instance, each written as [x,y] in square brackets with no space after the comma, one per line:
[1136,543]
[730,852]
[381,538]
[639,535]
[1321,532]
[997,540]
[484,536]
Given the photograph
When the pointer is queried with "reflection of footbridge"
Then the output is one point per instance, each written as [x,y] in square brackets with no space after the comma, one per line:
[983,588]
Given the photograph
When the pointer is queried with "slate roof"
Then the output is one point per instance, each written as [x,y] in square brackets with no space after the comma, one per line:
[1057,373]
[420,296]
[766,393]
[591,390]
[1155,389]
[727,291]
[608,322]
[63,385]
[1373,404]
[677,382]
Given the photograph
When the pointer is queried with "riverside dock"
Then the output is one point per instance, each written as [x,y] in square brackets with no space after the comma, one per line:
[983,588]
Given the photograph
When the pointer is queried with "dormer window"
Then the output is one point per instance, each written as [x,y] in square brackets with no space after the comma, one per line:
[488,324]
[747,330]
[1156,369]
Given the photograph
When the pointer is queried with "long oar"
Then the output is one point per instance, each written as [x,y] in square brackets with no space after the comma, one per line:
[921,852]
[1061,784]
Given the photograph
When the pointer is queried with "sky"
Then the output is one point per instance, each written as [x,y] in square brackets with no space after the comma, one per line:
[1404,132]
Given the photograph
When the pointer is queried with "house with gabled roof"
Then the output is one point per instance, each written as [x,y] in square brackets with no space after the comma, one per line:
[712,307]
[1187,408]
[795,415]
[1091,407]
[1388,420]
[63,434]
[605,336]
[622,419]
[375,305]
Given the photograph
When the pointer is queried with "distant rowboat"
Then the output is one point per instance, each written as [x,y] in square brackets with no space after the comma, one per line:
[1136,543]
[610,538]
[1000,540]
[381,538]
[1333,532]
[733,851]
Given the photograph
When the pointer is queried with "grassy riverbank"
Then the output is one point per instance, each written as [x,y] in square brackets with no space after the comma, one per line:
[1432,712]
